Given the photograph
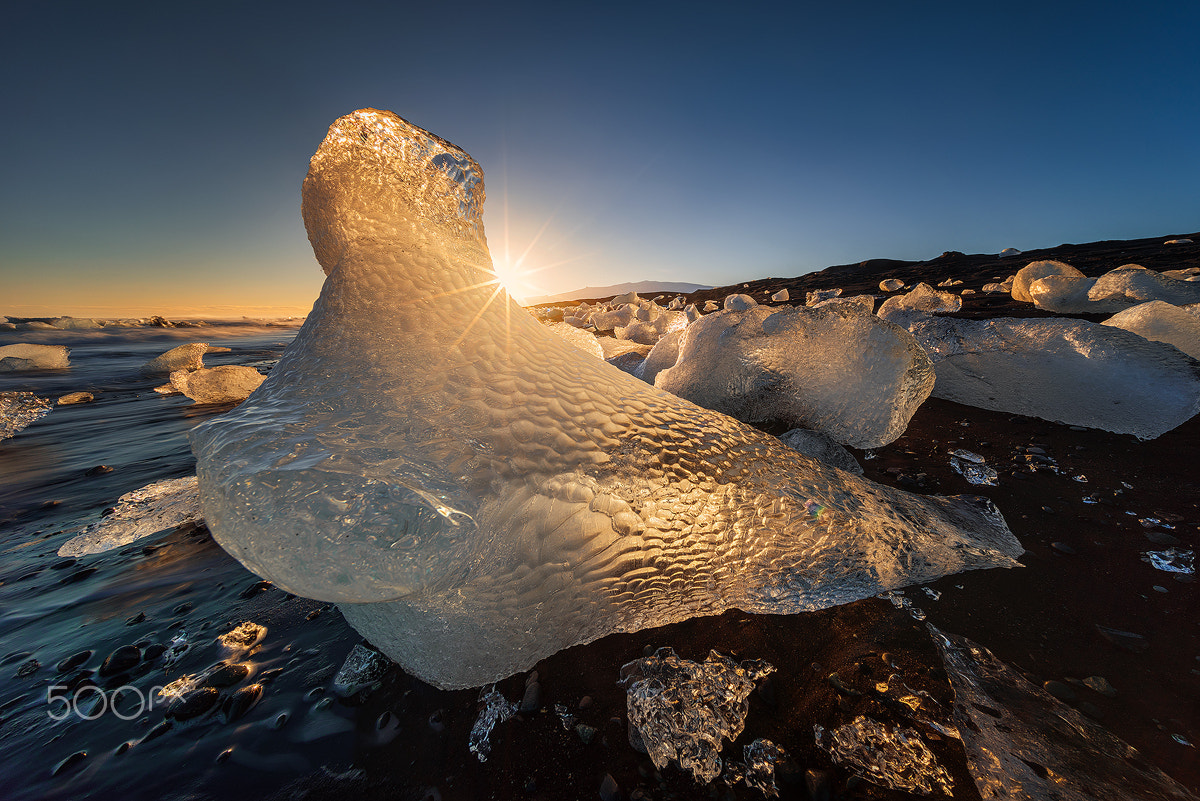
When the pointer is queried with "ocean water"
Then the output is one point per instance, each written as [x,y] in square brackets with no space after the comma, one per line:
[177,587]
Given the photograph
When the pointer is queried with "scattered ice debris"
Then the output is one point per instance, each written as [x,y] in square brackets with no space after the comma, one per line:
[1023,743]
[898,599]
[1172,560]
[228,384]
[402,455]
[780,296]
[758,768]
[950,282]
[18,410]
[739,302]
[156,507]
[178,646]
[684,710]
[1066,370]
[818,446]
[1162,322]
[363,667]
[581,339]
[495,708]
[921,301]
[891,284]
[891,756]
[834,369]
[932,593]
[21,356]
[971,467]
[242,638]
[817,296]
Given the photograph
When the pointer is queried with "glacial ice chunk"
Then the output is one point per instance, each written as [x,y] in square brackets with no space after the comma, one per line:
[833,369]
[1172,560]
[891,756]
[363,668]
[18,410]
[24,356]
[819,295]
[476,494]
[780,296]
[739,302]
[1007,252]
[971,466]
[710,306]
[922,300]
[891,284]
[494,708]
[1039,269]
[1134,284]
[684,711]
[1021,742]
[1162,322]
[1069,371]
[182,357]
[227,384]
[156,507]
[1067,294]
[581,339]
[663,356]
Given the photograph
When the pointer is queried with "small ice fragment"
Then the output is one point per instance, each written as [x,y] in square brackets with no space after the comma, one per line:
[897,599]
[813,298]
[893,757]
[758,772]
[227,384]
[18,410]
[1081,478]
[182,357]
[242,638]
[684,710]
[495,708]
[1179,738]
[175,649]
[710,306]
[564,716]
[156,507]
[932,593]
[1090,499]
[781,295]
[971,467]
[1172,560]
[1126,485]
[72,398]
[363,667]
[891,284]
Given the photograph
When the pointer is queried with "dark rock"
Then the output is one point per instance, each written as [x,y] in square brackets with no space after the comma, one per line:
[223,756]
[140,617]
[73,661]
[98,470]
[194,704]
[1063,547]
[159,730]
[27,668]
[819,784]
[1125,640]
[1162,538]
[437,720]
[120,660]
[609,791]
[241,702]
[226,676]
[1059,690]
[585,702]
[532,698]
[182,608]
[255,588]
[153,652]
[586,733]
[70,762]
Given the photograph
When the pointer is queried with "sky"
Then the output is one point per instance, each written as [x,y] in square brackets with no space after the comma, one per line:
[155,151]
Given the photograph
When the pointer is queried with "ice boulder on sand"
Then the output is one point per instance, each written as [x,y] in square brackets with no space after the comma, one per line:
[1068,371]
[836,369]
[476,494]
[739,302]
[780,296]
[1162,322]
[22,356]
[922,300]
[228,384]
[1039,269]
[891,284]
[1134,284]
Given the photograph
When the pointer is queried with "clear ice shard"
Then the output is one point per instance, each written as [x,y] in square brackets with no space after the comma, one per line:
[156,507]
[22,356]
[476,494]
[494,708]
[1021,742]
[836,369]
[1068,371]
[684,711]
[891,756]
[18,410]
[226,384]
[971,467]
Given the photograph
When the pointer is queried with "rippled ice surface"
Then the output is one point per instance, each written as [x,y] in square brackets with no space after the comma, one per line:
[176,587]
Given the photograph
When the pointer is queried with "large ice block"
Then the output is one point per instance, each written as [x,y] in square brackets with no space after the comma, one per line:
[836,369]
[477,494]
[1162,322]
[1065,370]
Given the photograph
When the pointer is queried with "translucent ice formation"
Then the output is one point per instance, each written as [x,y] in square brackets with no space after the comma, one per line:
[493,708]
[581,339]
[739,302]
[815,297]
[684,711]
[227,384]
[971,466]
[182,357]
[1021,742]
[817,446]
[1135,284]
[476,494]
[891,756]
[836,369]
[1162,322]
[364,667]
[18,410]
[1068,371]
[1039,269]
[891,284]
[780,296]
[922,300]
[157,507]
[33,357]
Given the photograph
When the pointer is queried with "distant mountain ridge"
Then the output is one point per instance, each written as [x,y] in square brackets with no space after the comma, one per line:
[641,287]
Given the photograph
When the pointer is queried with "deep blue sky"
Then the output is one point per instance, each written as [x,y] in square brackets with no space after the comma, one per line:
[154,151]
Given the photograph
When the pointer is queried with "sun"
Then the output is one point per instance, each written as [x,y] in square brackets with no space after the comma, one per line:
[512,277]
